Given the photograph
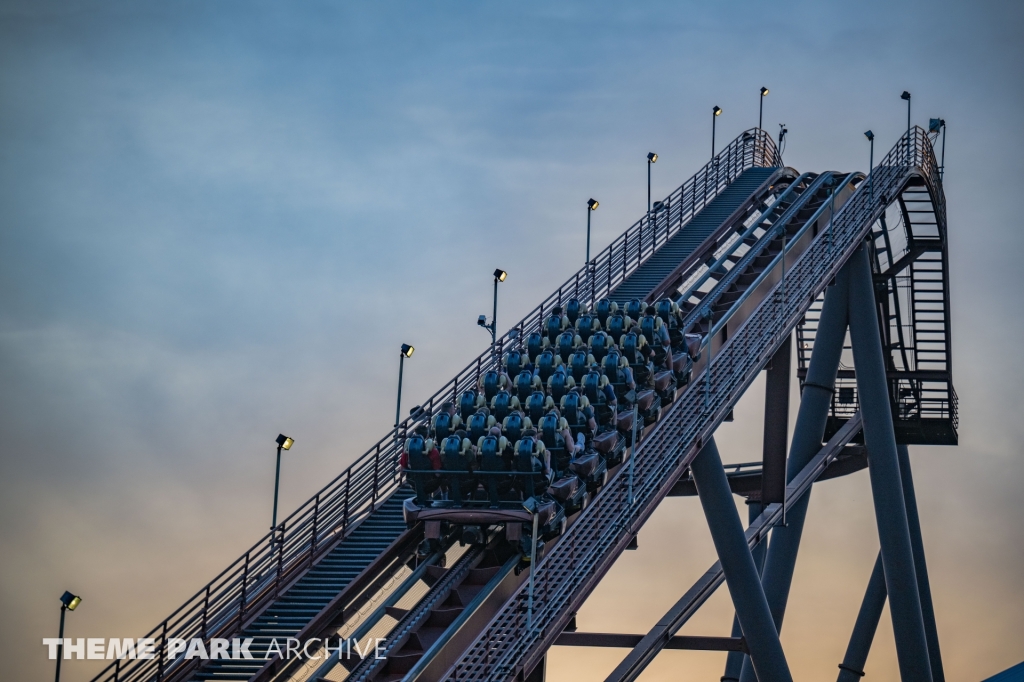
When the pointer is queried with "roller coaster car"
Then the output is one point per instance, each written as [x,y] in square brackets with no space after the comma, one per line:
[551,516]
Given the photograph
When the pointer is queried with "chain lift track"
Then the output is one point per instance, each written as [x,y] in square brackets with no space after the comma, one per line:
[747,247]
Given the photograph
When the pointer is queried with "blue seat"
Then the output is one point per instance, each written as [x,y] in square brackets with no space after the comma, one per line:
[558,385]
[457,457]
[616,326]
[536,405]
[525,384]
[586,326]
[566,345]
[468,403]
[501,405]
[546,365]
[605,308]
[534,345]
[600,344]
[579,364]
[513,426]
[514,363]
[573,309]
[491,460]
[416,448]
[529,467]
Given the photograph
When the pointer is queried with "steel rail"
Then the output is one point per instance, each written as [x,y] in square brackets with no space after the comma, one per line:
[571,570]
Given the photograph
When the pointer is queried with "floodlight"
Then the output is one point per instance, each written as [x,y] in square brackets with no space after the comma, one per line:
[500,275]
[592,204]
[284,442]
[407,350]
[70,601]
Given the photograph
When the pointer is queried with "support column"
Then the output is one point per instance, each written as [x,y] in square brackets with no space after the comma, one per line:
[884,469]
[734,661]
[776,426]
[766,655]
[852,667]
[810,428]
[920,566]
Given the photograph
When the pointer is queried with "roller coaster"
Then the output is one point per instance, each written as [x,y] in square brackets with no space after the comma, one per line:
[463,543]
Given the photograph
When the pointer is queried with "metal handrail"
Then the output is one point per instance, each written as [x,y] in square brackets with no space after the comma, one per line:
[255,580]
[571,569]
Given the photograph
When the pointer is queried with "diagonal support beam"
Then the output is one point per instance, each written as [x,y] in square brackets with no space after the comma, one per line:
[752,612]
[655,640]
[920,565]
[886,483]
[852,667]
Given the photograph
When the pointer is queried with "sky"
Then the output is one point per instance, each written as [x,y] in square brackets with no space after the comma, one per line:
[219,221]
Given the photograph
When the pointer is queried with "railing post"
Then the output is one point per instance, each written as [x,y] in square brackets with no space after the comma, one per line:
[280,560]
[206,610]
[609,286]
[245,585]
[376,468]
[161,653]
[312,540]
[348,489]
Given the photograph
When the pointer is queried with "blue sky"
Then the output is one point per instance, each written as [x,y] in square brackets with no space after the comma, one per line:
[219,220]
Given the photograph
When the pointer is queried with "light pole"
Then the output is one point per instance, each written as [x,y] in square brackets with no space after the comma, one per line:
[68,602]
[499,276]
[906,96]
[283,443]
[871,162]
[531,506]
[406,352]
[715,113]
[760,110]
[592,205]
[652,158]
[934,125]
